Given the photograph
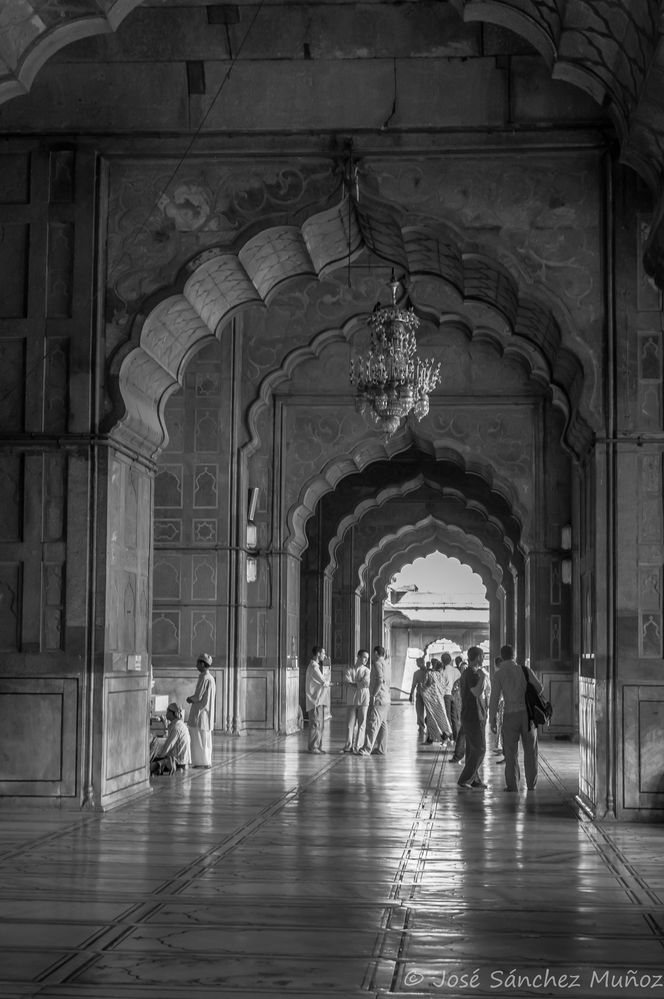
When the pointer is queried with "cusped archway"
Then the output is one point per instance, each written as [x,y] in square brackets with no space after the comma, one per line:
[216,286]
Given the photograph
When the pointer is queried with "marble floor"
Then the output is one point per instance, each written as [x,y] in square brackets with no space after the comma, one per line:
[279,874]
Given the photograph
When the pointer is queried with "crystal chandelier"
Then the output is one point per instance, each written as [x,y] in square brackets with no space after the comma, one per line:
[392,381]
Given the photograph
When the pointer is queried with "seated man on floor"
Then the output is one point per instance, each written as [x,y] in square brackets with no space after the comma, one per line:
[174,752]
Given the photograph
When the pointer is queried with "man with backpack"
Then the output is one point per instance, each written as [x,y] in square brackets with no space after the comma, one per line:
[510,682]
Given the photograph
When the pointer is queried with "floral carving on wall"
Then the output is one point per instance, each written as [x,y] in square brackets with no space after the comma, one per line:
[539,218]
[496,436]
[157,219]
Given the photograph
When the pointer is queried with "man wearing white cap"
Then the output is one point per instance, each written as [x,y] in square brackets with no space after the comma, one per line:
[201,715]
[174,752]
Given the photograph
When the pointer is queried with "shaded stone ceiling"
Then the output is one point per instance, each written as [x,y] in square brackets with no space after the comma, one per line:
[613,50]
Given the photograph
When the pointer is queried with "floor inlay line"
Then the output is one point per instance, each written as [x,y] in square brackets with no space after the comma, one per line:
[285,875]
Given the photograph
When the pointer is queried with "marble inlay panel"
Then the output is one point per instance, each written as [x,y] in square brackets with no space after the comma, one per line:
[166,632]
[168,486]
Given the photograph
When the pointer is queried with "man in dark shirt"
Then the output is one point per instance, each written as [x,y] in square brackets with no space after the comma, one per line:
[474,687]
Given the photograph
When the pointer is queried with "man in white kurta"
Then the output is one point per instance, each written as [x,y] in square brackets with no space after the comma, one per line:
[201,714]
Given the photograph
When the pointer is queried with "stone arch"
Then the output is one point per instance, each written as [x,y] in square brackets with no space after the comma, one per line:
[403,489]
[398,549]
[611,57]
[496,492]
[420,548]
[218,284]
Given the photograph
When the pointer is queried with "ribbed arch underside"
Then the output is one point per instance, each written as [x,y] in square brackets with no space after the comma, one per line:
[147,369]
[441,481]
[454,512]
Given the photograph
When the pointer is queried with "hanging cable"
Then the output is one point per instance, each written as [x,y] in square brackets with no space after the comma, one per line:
[388,120]
[173,174]
[205,117]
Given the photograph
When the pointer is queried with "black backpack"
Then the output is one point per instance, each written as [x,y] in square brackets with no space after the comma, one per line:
[539,710]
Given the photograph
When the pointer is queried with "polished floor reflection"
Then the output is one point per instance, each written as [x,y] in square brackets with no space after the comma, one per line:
[279,873]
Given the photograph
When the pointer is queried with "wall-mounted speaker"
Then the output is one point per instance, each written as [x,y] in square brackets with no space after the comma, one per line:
[253,503]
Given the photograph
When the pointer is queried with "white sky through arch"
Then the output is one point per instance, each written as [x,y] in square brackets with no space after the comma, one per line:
[440,574]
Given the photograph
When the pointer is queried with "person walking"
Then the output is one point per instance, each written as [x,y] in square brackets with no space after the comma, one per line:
[356,681]
[438,723]
[201,713]
[316,688]
[510,683]
[419,677]
[379,712]
[473,685]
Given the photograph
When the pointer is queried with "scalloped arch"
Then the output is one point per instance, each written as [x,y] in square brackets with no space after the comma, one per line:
[219,285]
[429,531]
[29,40]
[612,52]
[366,452]
[454,500]
[423,547]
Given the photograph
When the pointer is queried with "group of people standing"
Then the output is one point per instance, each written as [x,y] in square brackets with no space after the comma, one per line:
[367,696]
[453,702]
[191,743]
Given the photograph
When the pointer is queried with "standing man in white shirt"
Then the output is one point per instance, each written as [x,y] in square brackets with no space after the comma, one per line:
[379,712]
[510,681]
[450,674]
[316,687]
[201,713]
[356,681]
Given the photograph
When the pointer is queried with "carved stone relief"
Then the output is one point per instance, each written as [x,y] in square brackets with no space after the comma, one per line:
[168,486]
[314,436]
[204,531]
[206,430]
[650,504]
[166,633]
[650,379]
[167,530]
[204,578]
[155,224]
[205,486]
[167,577]
[539,218]
[203,632]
